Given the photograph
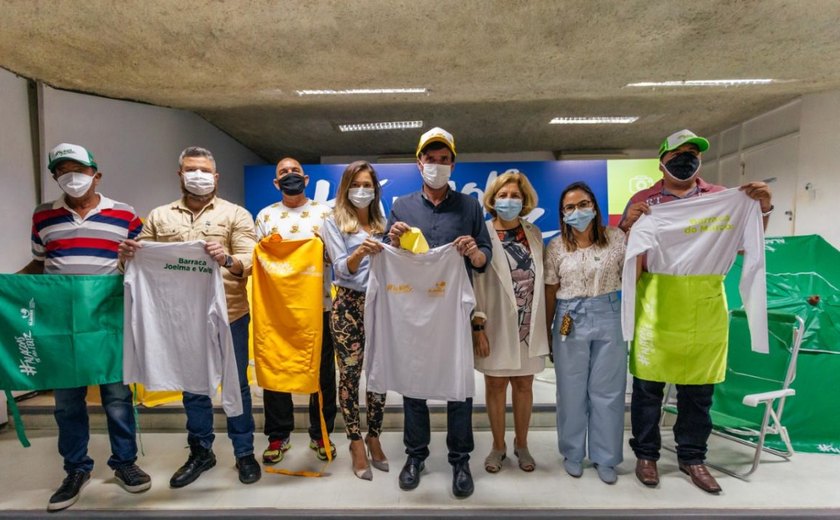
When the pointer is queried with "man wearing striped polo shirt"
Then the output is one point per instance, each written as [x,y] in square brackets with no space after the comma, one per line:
[79,234]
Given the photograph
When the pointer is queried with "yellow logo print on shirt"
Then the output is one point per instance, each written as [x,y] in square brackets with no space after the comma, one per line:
[706,224]
[438,290]
[399,288]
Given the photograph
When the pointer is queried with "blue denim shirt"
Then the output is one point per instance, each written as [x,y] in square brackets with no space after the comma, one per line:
[339,247]
[455,216]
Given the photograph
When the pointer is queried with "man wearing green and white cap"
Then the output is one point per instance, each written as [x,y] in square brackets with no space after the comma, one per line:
[679,160]
[78,234]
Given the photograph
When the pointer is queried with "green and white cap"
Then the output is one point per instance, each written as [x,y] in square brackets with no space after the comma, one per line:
[70,152]
[677,139]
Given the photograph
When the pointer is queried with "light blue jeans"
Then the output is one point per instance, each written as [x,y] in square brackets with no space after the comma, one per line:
[591,369]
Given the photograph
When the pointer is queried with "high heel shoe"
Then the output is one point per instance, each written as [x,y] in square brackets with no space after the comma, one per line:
[380,464]
[363,473]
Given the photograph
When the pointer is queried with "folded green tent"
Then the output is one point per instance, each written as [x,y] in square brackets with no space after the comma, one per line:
[803,278]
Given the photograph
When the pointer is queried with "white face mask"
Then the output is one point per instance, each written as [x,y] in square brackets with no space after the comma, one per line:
[75,184]
[361,197]
[199,183]
[436,175]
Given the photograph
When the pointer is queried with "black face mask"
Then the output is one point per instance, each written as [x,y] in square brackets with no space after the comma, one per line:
[683,166]
[292,184]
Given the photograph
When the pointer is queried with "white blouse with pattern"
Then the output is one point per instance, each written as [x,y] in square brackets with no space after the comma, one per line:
[586,272]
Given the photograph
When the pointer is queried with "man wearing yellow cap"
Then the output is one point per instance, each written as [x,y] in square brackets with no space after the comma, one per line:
[679,160]
[443,216]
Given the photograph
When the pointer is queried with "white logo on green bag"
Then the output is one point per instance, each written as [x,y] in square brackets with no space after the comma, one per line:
[29,359]
[29,354]
[29,314]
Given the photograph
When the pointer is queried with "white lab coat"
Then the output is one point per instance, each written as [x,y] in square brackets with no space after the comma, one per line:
[177,335]
[494,297]
[418,341]
[702,235]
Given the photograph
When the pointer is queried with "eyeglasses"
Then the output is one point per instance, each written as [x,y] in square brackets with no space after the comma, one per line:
[584,204]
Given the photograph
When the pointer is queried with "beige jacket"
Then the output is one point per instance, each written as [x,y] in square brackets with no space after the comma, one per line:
[220,221]
[494,297]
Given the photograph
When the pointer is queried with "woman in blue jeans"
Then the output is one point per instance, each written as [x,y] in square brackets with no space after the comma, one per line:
[583,276]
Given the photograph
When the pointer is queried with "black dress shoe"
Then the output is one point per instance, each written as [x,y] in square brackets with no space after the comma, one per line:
[249,470]
[462,481]
[199,461]
[410,474]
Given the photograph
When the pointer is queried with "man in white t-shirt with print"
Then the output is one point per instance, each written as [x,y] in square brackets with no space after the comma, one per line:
[294,217]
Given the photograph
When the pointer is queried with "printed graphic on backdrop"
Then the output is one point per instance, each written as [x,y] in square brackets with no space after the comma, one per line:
[626,177]
[549,178]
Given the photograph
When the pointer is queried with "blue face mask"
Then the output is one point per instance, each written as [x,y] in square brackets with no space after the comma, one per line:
[580,218]
[508,209]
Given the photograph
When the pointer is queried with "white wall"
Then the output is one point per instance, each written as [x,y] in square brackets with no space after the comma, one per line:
[17,172]
[764,148]
[795,144]
[818,183]
[136,147]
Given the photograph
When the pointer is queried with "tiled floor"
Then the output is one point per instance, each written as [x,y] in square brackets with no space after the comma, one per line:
[808,483]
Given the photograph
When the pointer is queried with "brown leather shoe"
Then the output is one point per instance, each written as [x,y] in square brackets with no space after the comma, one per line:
[701,477]
[647,473]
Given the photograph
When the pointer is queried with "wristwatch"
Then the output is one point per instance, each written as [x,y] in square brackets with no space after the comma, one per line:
[228,262]
[477,328]
[767,213]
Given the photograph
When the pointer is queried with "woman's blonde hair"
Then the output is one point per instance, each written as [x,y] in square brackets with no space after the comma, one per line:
[529,196]
[344,212]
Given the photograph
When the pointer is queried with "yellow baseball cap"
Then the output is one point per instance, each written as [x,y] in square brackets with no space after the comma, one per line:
[436,134]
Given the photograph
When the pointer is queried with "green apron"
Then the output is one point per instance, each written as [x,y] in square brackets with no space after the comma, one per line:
[59,331]
[681,330]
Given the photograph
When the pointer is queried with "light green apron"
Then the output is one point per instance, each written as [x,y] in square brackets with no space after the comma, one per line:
[682,329]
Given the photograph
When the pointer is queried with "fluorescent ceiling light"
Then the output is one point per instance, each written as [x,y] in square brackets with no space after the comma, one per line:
[384,125]
[353,91]
[705,83]
[605,120]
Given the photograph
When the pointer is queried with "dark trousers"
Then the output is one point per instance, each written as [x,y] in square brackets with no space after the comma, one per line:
[417,431]
[280,410]
[199,408]
[71,414]
[693,426]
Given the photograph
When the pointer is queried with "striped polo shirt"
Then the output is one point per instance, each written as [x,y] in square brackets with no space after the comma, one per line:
[69,244]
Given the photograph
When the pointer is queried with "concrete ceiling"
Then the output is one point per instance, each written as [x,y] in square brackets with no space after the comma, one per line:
[497,70]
